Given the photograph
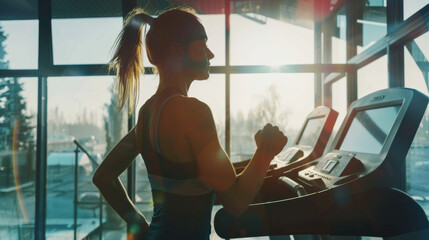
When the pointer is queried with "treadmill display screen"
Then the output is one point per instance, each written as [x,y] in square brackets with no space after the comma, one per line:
[369,130]
[312,128]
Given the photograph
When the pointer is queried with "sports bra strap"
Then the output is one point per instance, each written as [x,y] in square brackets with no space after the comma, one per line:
[157,117]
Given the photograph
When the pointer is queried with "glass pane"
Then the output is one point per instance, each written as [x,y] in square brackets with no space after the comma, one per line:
[334,27]
[412,6]
[416,58]
[271,33]
[18,124]
[81,109]
[372,77]
[339,40]
[19,44]
[148,86]
[84,40]
[372,23]
[423,43]
[339,104]
[416,76]
[256,99]
[83,32]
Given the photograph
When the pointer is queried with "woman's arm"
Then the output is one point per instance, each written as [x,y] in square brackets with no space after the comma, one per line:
[235,192]
[106,178]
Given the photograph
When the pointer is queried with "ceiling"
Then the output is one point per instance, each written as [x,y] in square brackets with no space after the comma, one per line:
[27,9]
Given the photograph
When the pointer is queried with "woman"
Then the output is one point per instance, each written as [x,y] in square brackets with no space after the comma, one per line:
[176,134]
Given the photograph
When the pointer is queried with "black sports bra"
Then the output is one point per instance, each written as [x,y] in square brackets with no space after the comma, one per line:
[189,184]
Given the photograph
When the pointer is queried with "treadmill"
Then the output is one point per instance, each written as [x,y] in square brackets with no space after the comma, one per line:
[351,191]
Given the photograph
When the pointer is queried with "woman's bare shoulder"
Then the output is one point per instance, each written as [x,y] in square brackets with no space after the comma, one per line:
[194,107]
[188,112]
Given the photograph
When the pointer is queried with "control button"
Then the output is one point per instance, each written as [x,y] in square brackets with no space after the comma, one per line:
[311,175]
[306,173]
[337,156]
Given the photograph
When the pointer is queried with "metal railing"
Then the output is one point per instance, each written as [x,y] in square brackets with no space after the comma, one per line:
[79,148]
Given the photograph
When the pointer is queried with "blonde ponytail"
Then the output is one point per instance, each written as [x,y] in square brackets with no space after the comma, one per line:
[127,59]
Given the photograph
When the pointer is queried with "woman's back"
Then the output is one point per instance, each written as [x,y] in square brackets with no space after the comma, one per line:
[182,204]
[171,126]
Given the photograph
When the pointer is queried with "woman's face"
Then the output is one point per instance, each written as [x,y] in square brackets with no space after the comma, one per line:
[197,58]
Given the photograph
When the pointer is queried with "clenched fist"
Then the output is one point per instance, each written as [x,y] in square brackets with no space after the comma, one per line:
[270,139]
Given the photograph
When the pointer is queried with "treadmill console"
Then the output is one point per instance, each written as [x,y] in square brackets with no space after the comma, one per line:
[368,136]
[310,142]
[289,155]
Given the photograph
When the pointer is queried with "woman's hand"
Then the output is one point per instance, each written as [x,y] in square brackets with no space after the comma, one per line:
[270,140]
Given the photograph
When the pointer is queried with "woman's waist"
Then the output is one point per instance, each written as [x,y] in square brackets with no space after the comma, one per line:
[173,204]
[167,199]
[192,187]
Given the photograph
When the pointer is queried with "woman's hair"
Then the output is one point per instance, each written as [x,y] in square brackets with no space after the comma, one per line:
[176,25]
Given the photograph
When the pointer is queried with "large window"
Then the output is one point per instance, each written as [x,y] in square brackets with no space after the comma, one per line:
[18,122]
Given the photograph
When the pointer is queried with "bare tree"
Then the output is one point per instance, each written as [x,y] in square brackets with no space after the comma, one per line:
[268,110]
